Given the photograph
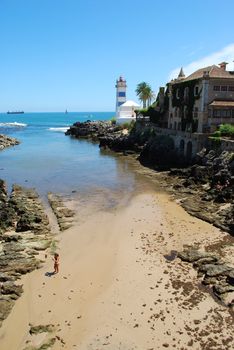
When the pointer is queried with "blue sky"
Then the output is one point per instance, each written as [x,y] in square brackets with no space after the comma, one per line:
[58,54]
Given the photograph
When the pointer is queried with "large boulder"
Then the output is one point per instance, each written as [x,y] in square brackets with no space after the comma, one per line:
[159,152]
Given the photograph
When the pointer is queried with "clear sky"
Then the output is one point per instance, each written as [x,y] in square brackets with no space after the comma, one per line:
[58,54]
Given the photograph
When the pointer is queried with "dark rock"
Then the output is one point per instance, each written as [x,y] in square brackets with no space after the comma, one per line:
[221,289]
[212,270]
[160,153]
[7,141]
[41,329]
[194,255]
[230,277]
[64,215]
[11,288]
[92,130]
[206,260]
[219,276]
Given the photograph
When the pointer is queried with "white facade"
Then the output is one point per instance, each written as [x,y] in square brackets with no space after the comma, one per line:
[127,111]
[121,87]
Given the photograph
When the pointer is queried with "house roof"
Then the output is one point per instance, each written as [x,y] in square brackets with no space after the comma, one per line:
[219,103]
[130,103]
[212,72]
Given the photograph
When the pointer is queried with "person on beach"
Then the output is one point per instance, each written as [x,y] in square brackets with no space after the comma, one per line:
[56,263]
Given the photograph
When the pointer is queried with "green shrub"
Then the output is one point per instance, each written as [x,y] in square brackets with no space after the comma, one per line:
[227,130]
[113,120]
[217,133]
[128,125]
[215,142]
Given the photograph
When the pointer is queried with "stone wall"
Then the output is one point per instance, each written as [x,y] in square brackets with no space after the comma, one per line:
[185,142]
[222,144]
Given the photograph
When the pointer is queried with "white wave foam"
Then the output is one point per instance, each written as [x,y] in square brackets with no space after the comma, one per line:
[61,129]
[13,124]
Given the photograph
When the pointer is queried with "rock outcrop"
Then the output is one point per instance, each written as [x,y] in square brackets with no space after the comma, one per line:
[92,130]
[206,189]
[63,214]
[7,141]
[214,272]
[108,135]
[24,231]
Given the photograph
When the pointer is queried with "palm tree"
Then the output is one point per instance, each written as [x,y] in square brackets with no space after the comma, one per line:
[144,93]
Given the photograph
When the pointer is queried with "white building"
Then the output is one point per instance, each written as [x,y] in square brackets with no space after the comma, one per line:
[125,110]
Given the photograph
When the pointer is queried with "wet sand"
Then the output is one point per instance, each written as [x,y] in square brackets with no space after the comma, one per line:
[116,289]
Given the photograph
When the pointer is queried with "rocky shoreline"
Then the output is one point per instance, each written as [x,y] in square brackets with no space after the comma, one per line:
[7,141]
[204,188]
[24,233]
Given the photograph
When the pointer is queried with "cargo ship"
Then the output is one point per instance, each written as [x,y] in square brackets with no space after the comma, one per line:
[15,112]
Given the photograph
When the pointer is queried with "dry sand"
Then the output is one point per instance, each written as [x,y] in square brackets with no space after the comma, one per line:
[115,289]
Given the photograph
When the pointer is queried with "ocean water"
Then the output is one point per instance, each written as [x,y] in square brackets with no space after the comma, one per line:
[48,160]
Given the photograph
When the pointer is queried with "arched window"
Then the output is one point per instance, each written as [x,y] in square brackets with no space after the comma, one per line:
[181,146]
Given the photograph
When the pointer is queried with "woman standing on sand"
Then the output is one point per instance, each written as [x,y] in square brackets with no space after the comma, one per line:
[56,263]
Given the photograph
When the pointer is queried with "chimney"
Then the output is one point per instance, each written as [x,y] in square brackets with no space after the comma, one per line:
[206,74]
[222,65]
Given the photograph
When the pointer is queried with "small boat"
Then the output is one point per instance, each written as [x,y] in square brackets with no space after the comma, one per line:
[15,112]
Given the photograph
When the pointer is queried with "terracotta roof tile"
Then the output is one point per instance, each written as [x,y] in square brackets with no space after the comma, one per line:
[214,72]
[218,103]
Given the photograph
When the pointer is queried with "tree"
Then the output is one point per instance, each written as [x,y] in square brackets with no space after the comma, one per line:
[144,93]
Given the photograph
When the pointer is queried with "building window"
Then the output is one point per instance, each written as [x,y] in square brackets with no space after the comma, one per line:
[232,113]
[196,90]
[186,93]
[121,94]
[185,112]
[177,93]
[223,88]
[231,88]
[223,113]
[217,113]
[216,88]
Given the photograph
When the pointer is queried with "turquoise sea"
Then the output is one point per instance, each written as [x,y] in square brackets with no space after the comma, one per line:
[50,161]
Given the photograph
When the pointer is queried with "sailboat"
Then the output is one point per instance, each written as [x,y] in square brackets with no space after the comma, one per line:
[66,111]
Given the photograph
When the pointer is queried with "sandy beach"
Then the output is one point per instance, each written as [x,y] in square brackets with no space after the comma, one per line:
[116,289]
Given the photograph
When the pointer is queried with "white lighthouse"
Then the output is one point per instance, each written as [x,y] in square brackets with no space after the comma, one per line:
[121,87]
